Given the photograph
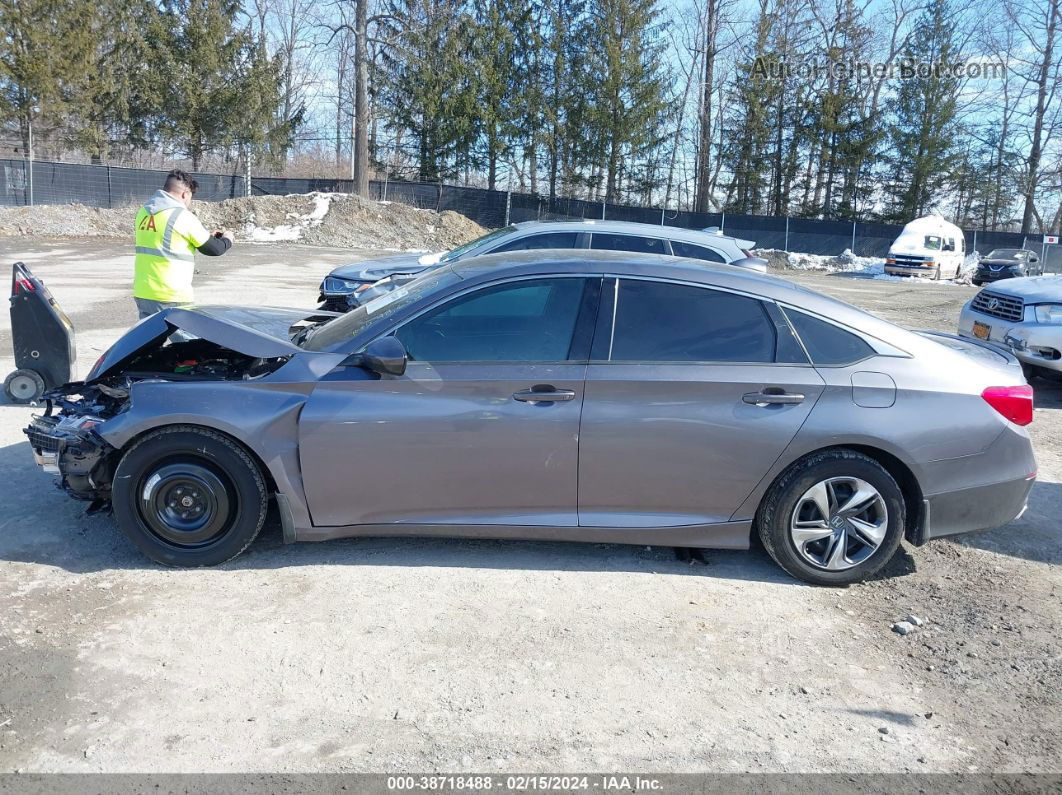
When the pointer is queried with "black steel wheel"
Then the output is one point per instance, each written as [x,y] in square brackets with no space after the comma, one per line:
[189,496]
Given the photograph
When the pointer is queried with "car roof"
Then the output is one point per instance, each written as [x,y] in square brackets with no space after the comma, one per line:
[622,263]
[630,227]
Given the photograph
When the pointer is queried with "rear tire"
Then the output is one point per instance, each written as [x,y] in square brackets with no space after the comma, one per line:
[187,496]
[24,386]
[808,526]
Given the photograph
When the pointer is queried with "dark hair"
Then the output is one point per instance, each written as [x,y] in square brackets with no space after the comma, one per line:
[178,178]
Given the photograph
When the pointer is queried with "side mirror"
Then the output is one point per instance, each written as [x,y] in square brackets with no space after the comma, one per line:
[385,355]
[1033,258]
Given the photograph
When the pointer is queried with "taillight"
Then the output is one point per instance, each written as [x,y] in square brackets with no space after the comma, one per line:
[21,283]
[1013,402]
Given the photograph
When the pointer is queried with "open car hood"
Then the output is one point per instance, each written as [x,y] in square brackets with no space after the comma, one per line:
[262,332]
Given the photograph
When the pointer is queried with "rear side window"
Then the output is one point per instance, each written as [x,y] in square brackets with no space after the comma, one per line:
[826,343]
[610,242]
[696,252]
[661,322]
[548,240]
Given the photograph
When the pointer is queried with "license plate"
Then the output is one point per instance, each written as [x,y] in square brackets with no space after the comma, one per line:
[981,330]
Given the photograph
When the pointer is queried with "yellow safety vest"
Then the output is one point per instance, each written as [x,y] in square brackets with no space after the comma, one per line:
[166,240]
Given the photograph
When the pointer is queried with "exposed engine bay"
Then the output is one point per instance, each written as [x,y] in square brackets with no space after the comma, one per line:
[64,439]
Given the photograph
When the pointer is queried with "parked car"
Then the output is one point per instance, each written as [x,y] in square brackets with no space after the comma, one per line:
[592,396]
[1025,315]
[1004,263]
[351,285]
[927,246]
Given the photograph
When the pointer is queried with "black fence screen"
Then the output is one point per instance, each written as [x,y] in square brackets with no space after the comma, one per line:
[115,186]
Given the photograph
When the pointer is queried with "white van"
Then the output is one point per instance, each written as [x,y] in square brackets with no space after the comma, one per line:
[928,246]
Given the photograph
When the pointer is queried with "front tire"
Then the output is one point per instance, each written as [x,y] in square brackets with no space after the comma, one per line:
[187,496]
[832,518]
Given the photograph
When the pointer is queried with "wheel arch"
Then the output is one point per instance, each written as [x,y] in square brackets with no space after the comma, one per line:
[267,475]
[914,501]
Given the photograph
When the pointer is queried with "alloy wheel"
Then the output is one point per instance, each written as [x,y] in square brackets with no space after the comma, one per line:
[838,523]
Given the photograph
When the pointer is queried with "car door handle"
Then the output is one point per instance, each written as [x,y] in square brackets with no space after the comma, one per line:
[775,397]
[543,393]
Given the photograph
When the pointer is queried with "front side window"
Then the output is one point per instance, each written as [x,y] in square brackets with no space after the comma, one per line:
[696,252]
[604,241]
[662,322]
[546,240]
[528,321]
[826,344]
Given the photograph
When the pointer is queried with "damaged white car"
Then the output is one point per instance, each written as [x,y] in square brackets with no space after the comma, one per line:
[1025,315]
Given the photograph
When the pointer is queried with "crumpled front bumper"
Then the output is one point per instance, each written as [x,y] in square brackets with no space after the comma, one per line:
[71,448]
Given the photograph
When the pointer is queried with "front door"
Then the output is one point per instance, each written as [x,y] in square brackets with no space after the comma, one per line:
[691,396]
[483,428]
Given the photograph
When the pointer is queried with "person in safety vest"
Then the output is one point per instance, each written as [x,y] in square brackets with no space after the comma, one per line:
[167,236]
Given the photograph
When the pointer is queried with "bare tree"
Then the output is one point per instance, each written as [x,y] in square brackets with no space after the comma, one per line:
[1038,25]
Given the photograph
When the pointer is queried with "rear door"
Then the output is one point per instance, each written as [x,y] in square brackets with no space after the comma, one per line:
[482,429]
[691,395]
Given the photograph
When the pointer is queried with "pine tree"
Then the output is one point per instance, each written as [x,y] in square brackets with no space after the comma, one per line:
[430,88]
[46,55]
[629,82]
[218,87]
[924,120]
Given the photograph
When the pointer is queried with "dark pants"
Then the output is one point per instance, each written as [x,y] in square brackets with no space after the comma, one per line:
[146,307]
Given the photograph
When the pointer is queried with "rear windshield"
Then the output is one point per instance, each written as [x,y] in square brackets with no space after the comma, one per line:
[475,245]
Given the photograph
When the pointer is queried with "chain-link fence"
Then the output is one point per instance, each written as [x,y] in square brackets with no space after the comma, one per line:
[116,186]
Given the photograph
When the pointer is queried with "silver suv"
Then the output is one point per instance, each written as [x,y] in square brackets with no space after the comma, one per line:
[349,286]
[1023,314]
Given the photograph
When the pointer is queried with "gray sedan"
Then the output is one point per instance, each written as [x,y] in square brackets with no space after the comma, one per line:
[580,396]
[351,285]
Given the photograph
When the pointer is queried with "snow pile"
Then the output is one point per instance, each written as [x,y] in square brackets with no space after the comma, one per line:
[859,267]
[289,232]
[845,261]
[320,219]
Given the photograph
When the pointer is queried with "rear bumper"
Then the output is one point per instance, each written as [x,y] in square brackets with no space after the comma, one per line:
[979,508]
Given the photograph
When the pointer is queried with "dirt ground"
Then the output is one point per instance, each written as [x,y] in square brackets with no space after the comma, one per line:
[435,655]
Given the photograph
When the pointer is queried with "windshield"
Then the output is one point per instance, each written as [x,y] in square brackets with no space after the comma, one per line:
[345,327]
[933,242]
[1005,253]
[474,245]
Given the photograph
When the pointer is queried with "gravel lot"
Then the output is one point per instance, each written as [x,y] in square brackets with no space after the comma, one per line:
[389,655]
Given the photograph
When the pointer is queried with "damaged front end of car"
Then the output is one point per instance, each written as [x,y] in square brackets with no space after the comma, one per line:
[68,439]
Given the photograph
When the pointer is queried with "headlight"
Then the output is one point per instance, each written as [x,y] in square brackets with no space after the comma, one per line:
[333,285]
[1050,314]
